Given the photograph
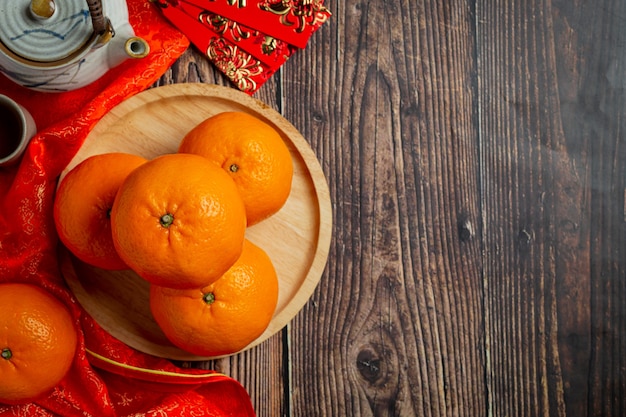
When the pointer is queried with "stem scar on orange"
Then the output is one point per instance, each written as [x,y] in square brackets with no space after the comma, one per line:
[83,204]
[254,155]
[224,317]
[38,342]
[178,221]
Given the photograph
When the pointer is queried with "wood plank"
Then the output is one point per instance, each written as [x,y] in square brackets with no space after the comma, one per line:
[591,41]
[548,293]
[521,144]
[395,327]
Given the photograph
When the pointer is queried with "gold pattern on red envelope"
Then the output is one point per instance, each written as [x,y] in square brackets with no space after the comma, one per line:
[267,49]
[248,40]
[292,21]
[298,13]
[240,67]
[226,26]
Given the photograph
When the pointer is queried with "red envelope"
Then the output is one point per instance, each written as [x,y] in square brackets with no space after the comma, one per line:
[245,71]
[271,51]
[292,21]
[247,40]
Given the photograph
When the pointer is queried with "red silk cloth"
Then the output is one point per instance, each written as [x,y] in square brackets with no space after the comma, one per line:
[248,40]
[107,377]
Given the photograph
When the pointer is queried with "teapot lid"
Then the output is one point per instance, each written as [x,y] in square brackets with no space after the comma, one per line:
[33,35]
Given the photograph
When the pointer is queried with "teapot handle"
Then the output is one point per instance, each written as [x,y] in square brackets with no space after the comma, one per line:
[98,20]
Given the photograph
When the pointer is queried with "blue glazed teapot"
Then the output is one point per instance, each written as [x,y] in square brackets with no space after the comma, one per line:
[62,45]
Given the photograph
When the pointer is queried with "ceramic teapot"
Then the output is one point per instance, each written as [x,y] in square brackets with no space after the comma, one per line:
[61,45]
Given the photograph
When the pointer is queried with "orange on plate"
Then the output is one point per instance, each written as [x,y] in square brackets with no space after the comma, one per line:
[37,342]
[178,221]
[253,154]
[83,204]
[224,317]
[157,119]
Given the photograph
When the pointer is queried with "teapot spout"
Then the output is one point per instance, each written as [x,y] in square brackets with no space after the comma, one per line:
[126,45]
[136,47]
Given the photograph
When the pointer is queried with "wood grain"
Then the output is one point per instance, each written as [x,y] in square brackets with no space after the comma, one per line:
[404,289]
[474,155]
[547,195]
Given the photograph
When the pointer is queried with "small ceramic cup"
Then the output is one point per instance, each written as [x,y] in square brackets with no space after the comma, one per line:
[17,128]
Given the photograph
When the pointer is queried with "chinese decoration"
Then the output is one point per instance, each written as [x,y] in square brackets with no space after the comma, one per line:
[247,40]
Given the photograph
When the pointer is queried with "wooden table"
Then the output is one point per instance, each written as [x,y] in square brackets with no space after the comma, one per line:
[475,157]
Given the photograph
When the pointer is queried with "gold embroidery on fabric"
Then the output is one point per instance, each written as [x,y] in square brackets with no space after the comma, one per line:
[237,65]
[298,13]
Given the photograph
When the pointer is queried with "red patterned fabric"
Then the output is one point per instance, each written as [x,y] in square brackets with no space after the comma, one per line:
[107,378]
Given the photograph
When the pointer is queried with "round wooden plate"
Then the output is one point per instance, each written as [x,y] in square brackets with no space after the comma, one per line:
[297,238]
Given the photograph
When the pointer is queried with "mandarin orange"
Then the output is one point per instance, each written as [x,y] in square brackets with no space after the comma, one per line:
[226,316]
[83,204]
[38,342]
[252,152]
[178,221]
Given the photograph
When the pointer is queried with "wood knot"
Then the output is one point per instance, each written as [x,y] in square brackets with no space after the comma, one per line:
[465,230]
[368,365]
[524,238]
